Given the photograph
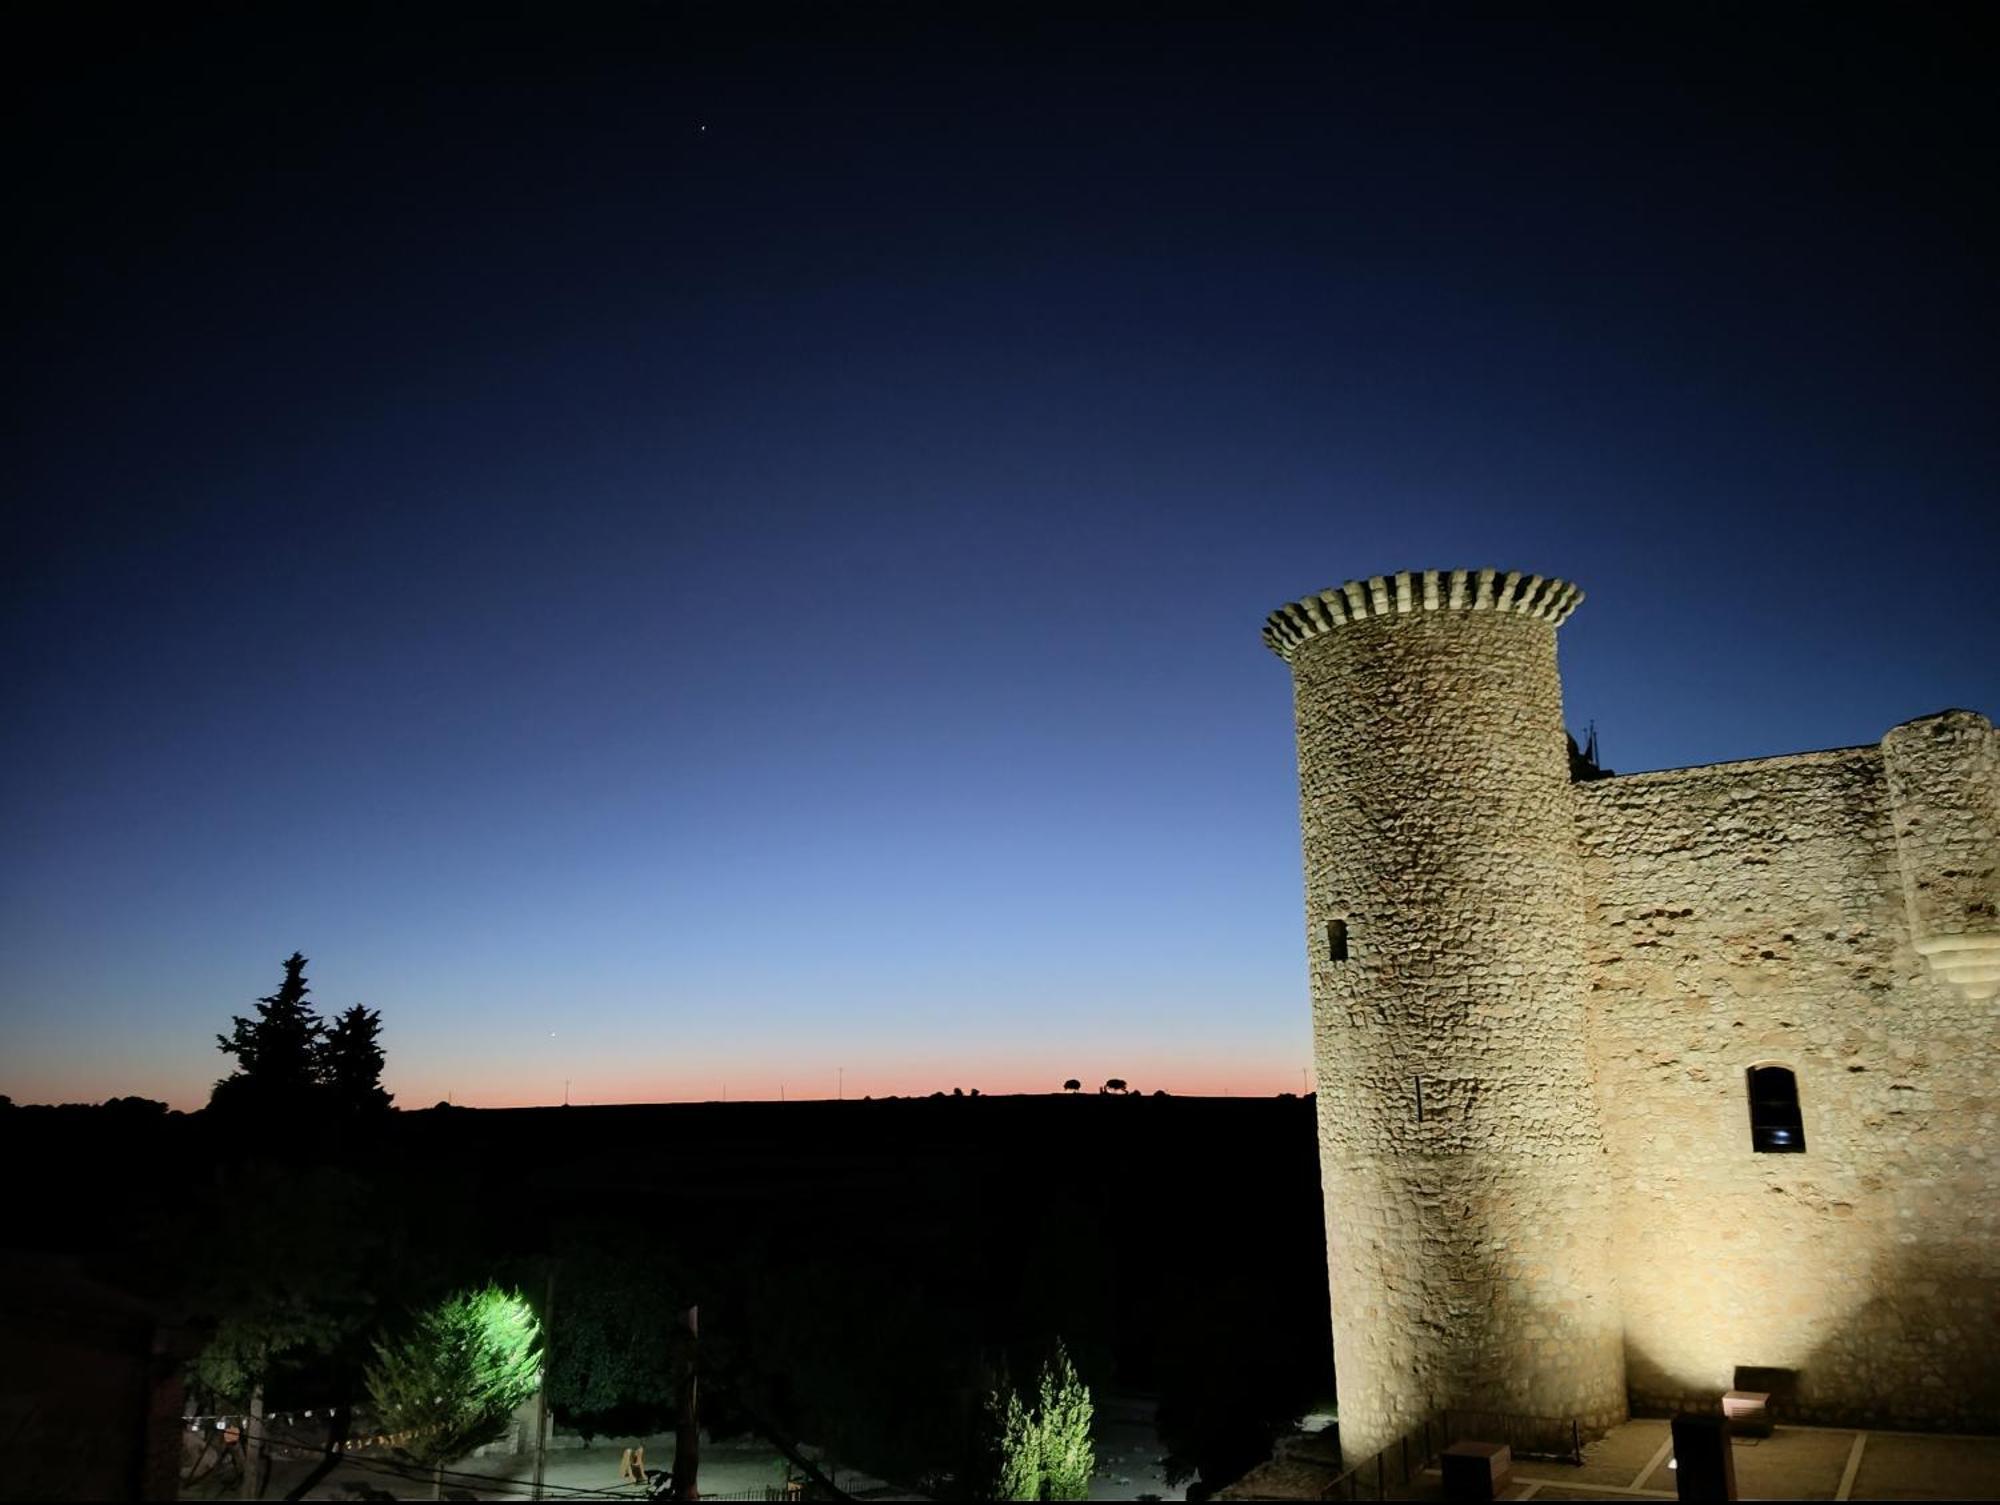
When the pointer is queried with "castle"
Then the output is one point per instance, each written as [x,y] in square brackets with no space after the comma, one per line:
[1627,1083]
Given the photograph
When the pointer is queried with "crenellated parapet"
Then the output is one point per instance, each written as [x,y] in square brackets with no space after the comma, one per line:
[1499,591]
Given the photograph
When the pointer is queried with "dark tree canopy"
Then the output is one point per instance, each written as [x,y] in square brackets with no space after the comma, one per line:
[277,1053]
[138,1107]
[351,1061]
[278,1273]
[611,1350]
[289,1061]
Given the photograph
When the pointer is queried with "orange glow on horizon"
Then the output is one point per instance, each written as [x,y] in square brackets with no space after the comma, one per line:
[483,1086]
[1205,1080]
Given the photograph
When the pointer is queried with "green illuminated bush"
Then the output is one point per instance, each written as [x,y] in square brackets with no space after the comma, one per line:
[1063,1416]
[453,1381]
[1017,1446]
[1046,1453]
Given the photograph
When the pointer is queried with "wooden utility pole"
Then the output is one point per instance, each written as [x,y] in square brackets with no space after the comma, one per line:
[687,1433]
[542,1395]
[253,1445]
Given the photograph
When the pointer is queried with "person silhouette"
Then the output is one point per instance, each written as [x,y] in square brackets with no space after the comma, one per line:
[632,1466]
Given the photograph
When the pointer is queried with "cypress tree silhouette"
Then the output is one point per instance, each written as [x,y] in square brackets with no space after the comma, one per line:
[277,1053]
[350,1061]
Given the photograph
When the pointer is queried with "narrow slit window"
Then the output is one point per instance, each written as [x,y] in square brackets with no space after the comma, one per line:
[1336,940]
[1775,1125]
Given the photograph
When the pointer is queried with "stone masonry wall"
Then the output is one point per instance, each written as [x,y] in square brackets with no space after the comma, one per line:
[1944,799]
[1462,1165]
[1755,913]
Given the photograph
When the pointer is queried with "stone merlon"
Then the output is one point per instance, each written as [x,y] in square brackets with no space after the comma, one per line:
[1407,591]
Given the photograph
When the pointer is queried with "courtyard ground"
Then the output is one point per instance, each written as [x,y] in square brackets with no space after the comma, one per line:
[1128,1454]
[736,1467]
[1794,1463]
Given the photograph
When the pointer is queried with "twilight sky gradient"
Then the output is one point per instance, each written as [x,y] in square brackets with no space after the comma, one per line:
[682,547]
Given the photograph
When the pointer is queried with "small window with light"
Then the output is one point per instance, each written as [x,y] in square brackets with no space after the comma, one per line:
[1775,1125]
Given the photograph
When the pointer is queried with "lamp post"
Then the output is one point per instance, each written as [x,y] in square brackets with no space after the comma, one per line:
[542,1392]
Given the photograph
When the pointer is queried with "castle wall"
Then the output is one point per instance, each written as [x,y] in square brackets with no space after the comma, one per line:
[1944,799]
[1461,1159]
[1758,913]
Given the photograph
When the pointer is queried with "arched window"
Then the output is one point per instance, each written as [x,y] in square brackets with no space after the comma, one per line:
[1775,1125]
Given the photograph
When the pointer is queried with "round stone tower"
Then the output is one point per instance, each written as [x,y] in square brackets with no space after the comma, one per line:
[1461,1157]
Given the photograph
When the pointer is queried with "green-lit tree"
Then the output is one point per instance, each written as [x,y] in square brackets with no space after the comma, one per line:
[1043,1453]
[1017,1446]
[1063,1417]
[277,1053]
[453,1380]
[350,1062]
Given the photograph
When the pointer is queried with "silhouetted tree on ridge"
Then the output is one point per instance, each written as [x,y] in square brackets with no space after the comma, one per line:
[137,1107]
[277,1053]
[289,1060]
[351,1061]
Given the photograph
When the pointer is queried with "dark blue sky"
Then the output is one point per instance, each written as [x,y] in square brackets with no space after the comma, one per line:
[676,547]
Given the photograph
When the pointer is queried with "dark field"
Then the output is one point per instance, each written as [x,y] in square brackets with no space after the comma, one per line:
[865,1270]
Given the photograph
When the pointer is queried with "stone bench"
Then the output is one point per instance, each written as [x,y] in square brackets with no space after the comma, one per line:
[1476,1470]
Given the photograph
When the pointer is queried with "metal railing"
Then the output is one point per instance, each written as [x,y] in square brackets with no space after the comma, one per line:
[1558,1439]
[1393,1472]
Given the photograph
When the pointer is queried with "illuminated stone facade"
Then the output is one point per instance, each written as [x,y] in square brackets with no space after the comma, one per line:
[1535,1006]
